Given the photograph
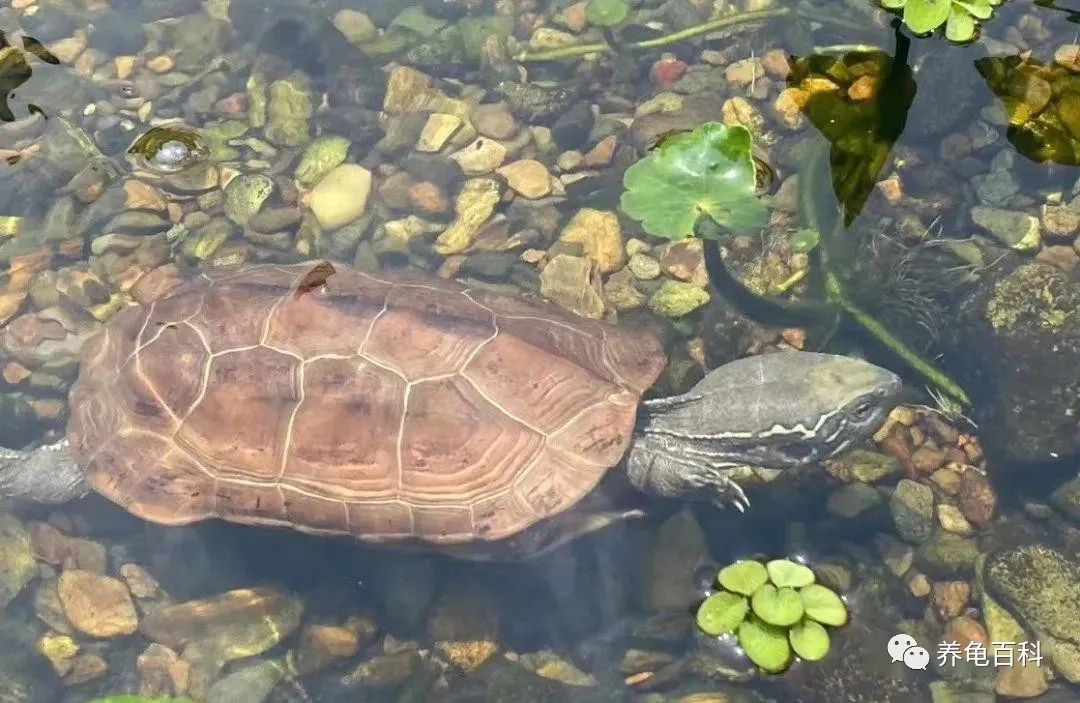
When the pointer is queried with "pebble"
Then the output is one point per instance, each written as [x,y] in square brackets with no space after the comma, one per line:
[1018,230]
[161,64]
[341,196]
[68,49]
[740,111]
[356,26]
[17,565]
[677,298]
[428,198]
[474,205]
[481,157]
[527,177]
[977,498]
[644,267]
[568,282]
[912,507]
[1068,57]
[437,131]
[97,605]
[621,293]
[570,160]
[898,557]
[600,234]
[745,72]
[949,598]
[952,520]
[245,195]
[1060,221]
[601,154]
[321,157]
[321,645]
[494,120]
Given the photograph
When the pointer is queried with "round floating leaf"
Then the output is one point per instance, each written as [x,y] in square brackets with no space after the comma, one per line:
[922,16]
[809,640]
[607,13]
[790,574]
[765,644]
[823,605]
[804,241]
[722,613]
[777,606]
[705,172]
[743,577]
[961,26]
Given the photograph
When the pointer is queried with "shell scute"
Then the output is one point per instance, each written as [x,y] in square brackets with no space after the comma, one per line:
[241,424]
[346,430]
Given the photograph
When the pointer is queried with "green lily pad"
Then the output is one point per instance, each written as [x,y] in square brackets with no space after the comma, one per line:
[607,13]
[706,172]
[823,605]
[766,645]
[922,16]
[743,577]
[960,26]
[722,613]
[790,574]
[809,640]
[777,606]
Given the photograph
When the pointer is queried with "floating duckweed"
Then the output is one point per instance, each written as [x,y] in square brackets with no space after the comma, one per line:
[787,612]
[168,149]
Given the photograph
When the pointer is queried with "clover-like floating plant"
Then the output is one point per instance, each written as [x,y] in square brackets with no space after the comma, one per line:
[708,172]
[776,610]
[960,17]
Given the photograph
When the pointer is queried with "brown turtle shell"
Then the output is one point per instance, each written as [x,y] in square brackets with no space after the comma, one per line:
[387,407]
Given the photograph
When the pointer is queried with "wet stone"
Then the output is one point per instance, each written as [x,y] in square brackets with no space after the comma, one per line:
[275,219]
[677,299]
[321,645]
[288,110]
[437,131]
[527,177]
[912,507]
[464,625]
[474,205]
[321,157]
[54,547]
[568,282]
[162,672]
[97,605]
[17,565]
[480,157]
[341,196]
[494,120]
[232,625]
[600,234]
[250,684]
[245,195]
[384,670]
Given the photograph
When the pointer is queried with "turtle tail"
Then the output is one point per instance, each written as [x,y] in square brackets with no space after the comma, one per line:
[47,475]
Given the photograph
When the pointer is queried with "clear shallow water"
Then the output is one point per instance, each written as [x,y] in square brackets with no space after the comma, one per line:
[112,70]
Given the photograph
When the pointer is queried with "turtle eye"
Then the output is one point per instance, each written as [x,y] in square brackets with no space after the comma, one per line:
[862,411]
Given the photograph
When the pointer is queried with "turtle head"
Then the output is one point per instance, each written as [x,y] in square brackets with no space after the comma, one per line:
[774,411]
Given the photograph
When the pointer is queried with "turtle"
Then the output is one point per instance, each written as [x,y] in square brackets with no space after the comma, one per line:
[408,410]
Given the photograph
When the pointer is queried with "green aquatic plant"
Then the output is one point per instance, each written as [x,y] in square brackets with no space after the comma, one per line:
[785,614]
[607,13]
[705,173]
[702,183]
[960,17]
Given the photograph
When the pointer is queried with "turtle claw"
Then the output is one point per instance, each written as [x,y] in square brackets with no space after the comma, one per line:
[731,493]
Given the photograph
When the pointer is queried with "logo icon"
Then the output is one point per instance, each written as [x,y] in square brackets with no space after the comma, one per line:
[904,648]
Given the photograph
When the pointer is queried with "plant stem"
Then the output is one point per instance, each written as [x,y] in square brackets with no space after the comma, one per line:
[895,344]
[790,282]
[578,50]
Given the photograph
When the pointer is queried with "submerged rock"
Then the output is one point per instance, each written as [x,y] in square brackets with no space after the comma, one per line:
[17,565]
[1014,346]
[97,605]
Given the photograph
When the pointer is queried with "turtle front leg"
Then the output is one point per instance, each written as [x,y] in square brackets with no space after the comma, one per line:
[48,475]
[653,467]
